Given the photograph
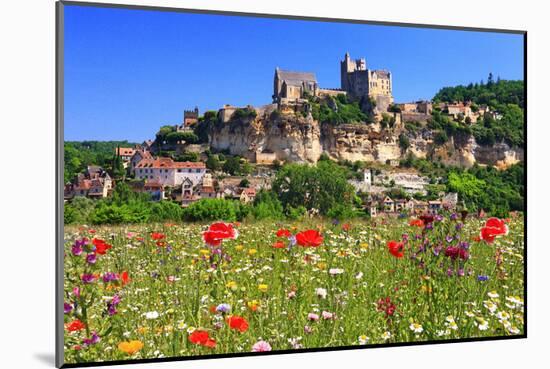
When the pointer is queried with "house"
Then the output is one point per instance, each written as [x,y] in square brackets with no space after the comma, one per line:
[139,155]
[420,207]
[187,187]
[247,195]
[208,192]
[155,189]
[169,172]
[434,206]
[95,182]
[389,204]
[400,205]
[125,154]
[373,209]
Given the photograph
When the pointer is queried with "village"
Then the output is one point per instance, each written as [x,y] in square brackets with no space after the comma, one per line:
[187,182]
[150,170]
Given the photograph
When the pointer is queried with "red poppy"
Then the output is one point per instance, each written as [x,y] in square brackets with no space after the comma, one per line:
[217,232]
[237,322]
[279,245]
[212,309]
[283,233]
[416,223]
[101,246]
[493,227]
[396,248]
[346,226]
[124,278]
[426,218]
[75,325]
[91,231]
[202,338]
[309,238]
[157,236]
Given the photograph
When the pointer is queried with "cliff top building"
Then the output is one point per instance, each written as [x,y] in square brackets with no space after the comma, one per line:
[293,85]
[359,81]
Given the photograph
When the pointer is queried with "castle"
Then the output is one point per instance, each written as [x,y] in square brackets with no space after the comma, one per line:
[356,80]
[359,81]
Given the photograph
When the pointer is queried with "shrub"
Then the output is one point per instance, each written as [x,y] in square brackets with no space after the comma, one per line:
[212,209]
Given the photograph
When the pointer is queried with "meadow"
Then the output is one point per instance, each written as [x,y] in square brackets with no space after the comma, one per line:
[186,289]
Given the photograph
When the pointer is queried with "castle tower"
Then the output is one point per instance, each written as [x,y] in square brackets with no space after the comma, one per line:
[367,177]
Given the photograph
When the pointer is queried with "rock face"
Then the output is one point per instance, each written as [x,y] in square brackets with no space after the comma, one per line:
[299,138]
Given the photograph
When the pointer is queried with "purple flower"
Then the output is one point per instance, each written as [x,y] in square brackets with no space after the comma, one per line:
[67,308]
[405,237]
[110,277]
[223,308]
[88,278]
[91,258]
[459,226]
[450,272]
[76,291]
[454,216]
[111,305]
[429,226]
[449,239]
[460,272]
[92,340]
[438,218]
[464,245]
[76,250]
[482,278]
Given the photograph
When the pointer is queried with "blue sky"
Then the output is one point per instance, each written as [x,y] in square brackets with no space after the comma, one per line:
[127,72]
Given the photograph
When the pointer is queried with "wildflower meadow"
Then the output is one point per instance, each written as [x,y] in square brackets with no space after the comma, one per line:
[187,289]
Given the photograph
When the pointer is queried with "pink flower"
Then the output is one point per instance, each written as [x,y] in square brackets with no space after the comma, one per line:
[313,316]
[327,315]
[261,346]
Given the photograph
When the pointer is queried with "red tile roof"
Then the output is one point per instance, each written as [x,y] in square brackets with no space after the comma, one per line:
[125,151]
[169,164]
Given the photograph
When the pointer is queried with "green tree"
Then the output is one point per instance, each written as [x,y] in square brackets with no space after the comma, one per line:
[315,187]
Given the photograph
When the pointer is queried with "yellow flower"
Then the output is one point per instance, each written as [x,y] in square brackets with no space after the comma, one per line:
[321,265]
[364,245]
[204,252]
[253,305]
[239,247]
[252,252]
[425,288]
[130,347]
[231,285]
[142,330]
[263,287]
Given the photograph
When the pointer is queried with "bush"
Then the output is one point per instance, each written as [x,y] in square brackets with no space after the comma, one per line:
[267,206]
[341,212]
[295,213]
[166,210]
[211,210]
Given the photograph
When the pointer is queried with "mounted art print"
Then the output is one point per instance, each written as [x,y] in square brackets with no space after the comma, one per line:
[238,184]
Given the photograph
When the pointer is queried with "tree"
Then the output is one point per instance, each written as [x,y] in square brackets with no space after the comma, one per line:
[404,142]
[213,163]
[314,187]
[232,165]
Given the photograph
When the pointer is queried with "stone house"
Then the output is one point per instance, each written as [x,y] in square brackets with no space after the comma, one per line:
[400,205]
[289,85]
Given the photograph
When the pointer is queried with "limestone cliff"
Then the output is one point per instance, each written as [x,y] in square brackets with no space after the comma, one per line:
[297,137]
